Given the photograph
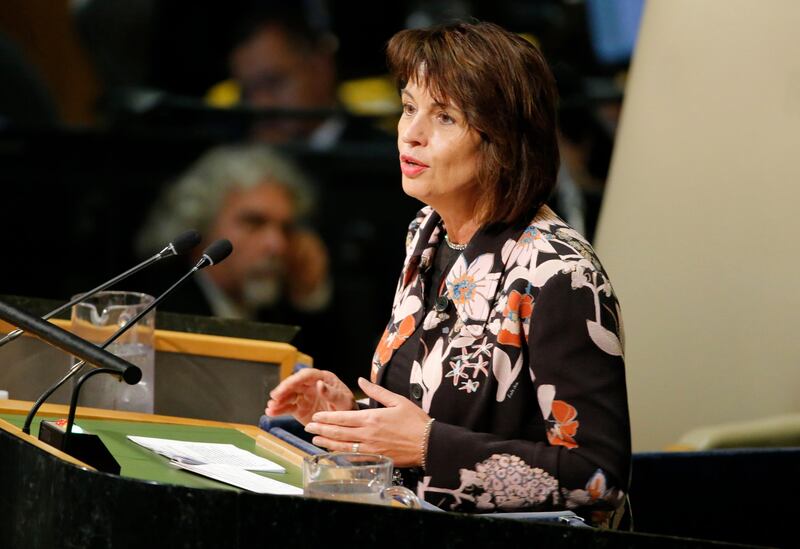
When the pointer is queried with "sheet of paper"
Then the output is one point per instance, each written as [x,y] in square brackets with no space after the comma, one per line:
[208,453]
[241,478]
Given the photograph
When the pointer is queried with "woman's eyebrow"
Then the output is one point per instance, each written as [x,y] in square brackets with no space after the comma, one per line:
[438,104]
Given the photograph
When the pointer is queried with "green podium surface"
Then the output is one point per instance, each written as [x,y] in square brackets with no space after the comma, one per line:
[140,463]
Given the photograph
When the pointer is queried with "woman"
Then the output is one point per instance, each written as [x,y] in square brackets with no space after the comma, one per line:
[498,383]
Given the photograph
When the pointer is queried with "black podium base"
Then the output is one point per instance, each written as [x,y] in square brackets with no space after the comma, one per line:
[83,446]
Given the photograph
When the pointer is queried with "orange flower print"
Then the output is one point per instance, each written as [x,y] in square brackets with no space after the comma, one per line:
[518,309]
[564,425]
[596,487]
[384,352]
[391,340]
[509,337]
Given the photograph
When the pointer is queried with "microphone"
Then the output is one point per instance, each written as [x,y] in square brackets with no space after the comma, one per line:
[215,253]
[180,245]
[212,255]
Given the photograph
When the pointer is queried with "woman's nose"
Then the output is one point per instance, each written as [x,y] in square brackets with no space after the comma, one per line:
[415,132]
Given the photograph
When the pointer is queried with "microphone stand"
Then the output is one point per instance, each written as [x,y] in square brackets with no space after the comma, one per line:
[87,447]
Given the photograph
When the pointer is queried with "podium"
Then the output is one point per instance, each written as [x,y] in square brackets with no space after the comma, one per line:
[52,500]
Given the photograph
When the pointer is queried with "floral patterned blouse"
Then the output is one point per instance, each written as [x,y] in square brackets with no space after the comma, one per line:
[522,368]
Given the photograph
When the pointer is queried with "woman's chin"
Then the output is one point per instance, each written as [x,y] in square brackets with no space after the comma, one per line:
[415,188]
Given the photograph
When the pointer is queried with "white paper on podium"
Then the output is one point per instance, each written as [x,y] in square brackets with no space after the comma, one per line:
[207,453]
[241,478]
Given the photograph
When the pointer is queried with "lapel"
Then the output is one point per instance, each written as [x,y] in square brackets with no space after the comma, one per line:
[421,249]
[408,308]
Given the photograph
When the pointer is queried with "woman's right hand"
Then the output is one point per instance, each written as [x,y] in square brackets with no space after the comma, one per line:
[307,392]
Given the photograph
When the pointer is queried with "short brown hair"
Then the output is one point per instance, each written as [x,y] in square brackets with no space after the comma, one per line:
[508,94]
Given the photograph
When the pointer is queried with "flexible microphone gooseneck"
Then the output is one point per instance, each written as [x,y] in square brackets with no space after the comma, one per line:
[212,255]
[182,244]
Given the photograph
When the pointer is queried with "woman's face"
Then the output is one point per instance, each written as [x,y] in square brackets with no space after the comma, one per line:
[439,153]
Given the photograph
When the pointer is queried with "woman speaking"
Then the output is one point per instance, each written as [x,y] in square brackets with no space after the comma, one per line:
[499,382]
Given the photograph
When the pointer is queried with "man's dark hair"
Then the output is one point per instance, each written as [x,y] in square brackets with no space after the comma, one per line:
[287,16]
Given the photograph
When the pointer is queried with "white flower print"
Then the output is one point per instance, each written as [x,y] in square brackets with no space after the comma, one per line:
[546,271]
[433,319]
[479,367]
[483,348]
[514,275]
[408,306]
[470,386]
[507,250]
[494,326]
[429,374]
[462,339]
[505,481]
[581,247]
[584,276]
[468,365]
[504,372]
[533,238]
[423,218]
[502,300]
[471,286]
[400,299]
[545,395]
[457,371]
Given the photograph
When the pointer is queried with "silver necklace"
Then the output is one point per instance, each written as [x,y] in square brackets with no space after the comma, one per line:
[457,247]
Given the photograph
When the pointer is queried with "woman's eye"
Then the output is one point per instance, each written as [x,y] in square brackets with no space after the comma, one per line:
[408,108]
[445,118]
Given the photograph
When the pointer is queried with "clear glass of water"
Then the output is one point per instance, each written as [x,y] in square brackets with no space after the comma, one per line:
[355,477]
[96,319]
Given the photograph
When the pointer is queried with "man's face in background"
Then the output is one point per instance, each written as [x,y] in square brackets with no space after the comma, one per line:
[275,71]
[259,223]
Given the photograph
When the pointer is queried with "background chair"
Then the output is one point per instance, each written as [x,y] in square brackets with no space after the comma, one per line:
[770,432]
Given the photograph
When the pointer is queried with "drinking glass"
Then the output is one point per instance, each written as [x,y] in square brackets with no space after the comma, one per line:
[98,318]
[362,478]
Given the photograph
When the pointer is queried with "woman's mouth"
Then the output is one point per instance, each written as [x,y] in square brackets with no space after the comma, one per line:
[410,166]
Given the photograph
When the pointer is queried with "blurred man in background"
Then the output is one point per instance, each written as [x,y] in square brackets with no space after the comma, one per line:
[278,271]
[281,59]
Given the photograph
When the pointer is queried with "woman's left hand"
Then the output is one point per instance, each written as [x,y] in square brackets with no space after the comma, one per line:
[395,431]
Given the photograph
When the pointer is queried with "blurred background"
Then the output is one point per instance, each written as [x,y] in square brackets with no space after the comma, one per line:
[106,105]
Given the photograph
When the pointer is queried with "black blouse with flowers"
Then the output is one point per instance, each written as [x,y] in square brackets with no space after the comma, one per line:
[522,368]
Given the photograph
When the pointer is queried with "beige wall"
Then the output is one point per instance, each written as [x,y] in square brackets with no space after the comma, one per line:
[700,227]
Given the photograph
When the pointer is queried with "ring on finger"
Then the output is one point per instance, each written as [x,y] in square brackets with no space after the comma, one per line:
[355,447]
